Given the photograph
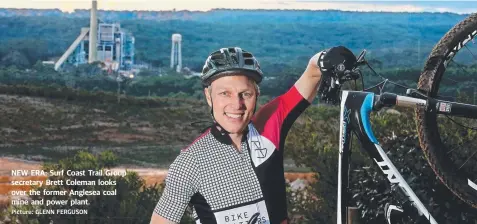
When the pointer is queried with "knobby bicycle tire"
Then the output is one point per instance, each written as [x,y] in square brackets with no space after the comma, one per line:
[429,137]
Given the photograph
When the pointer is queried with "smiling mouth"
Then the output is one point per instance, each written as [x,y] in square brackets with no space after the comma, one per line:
[234,116]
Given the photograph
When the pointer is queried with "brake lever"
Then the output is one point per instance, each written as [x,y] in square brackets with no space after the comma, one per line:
[360,60]
[328,90]
[350,75]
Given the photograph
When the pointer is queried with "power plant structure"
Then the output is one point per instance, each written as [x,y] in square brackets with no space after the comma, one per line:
[176,52]
[104,42]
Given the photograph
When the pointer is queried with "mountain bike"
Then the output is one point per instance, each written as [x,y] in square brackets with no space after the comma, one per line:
[436,112]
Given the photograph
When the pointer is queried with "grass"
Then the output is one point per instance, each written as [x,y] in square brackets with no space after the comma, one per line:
[140,155]
[36,153]
[154,155]
[98,97]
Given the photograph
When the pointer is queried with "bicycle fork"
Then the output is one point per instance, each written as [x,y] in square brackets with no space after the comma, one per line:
[354,116]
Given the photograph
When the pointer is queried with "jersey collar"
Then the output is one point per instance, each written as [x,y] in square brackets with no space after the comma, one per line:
[224,137]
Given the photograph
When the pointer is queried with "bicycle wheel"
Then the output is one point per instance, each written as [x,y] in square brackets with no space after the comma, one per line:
[451,153]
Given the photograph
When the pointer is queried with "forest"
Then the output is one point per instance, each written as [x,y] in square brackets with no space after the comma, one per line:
[281,40]
[397,44]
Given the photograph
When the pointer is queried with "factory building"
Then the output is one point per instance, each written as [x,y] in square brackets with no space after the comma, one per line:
[104,42]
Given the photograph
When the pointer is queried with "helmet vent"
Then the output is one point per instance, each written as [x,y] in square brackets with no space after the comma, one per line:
[249,61]
[234,58]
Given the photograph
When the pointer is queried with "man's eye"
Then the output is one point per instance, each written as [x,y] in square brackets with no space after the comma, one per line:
[223,93]
[247,94]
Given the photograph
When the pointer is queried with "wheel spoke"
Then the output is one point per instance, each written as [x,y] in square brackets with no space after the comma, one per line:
[454,149]
[468,159]
[461,66]
[462,125]
[471,52]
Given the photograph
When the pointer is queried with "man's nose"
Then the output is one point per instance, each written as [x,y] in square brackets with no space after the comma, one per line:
[238,102]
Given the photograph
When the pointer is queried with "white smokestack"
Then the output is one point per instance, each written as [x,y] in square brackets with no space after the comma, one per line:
[93,32]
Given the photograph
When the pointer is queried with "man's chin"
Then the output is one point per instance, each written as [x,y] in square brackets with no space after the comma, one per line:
[234,129]
[233,126]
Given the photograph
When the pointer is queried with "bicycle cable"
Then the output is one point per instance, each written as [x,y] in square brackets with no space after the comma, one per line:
[387,80]
[406,87]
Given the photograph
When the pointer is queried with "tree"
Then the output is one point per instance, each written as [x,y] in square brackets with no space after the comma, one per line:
[16,58]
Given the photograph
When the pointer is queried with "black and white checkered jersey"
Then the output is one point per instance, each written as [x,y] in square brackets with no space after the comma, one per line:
[227,186]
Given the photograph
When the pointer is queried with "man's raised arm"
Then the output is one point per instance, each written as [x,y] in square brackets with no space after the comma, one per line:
[308,83]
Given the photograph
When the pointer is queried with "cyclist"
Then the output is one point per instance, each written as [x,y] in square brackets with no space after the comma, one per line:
[233,172]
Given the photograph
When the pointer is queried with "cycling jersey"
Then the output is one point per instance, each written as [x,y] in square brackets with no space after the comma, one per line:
[228,186]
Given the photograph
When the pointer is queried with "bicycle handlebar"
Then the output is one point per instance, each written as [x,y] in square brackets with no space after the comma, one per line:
[341,66]
[430,104]
[391,99]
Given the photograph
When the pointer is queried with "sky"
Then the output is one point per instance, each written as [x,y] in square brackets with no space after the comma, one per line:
[204,5]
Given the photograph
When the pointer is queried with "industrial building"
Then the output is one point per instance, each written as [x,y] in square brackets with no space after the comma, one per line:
[104,42]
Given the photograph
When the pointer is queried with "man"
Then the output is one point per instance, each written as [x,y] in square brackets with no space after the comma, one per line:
[233,173]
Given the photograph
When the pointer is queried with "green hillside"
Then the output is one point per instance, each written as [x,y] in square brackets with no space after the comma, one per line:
[280,39]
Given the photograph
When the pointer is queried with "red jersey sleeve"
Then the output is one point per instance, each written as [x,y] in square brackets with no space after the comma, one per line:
[275,118]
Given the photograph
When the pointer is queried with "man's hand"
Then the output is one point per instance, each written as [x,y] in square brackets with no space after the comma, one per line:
[336,60]
[312,69]
[324,65]
[308,83]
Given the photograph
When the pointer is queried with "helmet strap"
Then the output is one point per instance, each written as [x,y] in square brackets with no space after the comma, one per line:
[256,102]
[221,129]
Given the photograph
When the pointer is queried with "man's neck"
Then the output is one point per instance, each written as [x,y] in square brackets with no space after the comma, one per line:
[236,140]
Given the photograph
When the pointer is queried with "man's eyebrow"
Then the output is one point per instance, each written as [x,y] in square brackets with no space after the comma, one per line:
[246,90]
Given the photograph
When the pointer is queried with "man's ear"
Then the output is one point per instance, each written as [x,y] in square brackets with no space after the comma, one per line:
[207,96]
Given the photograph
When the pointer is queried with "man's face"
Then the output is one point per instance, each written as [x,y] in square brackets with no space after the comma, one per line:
[233,99]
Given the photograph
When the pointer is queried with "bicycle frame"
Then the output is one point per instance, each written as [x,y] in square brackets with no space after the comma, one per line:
[354,117]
